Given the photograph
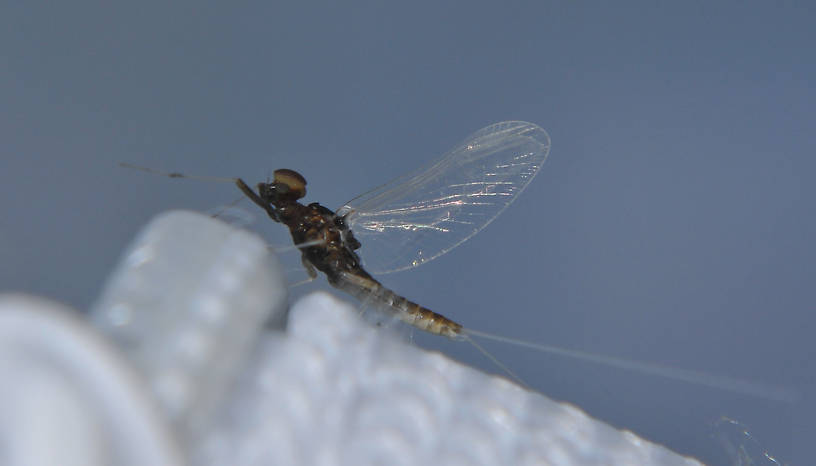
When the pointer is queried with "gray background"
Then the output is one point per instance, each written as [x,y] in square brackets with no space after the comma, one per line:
[672,223]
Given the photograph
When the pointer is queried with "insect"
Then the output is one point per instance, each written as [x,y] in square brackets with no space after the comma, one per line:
[421,216]
[408,221]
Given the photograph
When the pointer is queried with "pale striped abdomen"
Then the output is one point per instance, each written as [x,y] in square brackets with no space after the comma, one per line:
[371,292]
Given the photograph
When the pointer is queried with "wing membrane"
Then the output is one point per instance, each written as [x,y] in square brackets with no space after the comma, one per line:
[426,213]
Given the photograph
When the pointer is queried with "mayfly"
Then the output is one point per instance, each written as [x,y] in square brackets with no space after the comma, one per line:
[421,216]
[408,221]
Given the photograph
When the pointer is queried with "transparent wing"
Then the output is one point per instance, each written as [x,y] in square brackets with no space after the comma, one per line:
[426,213]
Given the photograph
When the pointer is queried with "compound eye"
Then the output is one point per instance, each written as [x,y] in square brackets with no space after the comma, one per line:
[293,180]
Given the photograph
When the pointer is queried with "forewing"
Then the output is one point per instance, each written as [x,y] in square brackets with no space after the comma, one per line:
[426,213]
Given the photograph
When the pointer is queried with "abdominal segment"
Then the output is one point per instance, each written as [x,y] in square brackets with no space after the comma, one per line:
[368,290]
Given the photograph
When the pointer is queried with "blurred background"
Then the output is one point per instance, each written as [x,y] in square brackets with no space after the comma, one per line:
[672,223]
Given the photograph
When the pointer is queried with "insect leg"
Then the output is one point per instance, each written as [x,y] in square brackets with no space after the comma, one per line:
[248,192]
[310,269]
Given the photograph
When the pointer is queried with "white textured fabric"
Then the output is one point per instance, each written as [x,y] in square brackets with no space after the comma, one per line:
[186,303]
[68,397]
[335,391]
[190,296]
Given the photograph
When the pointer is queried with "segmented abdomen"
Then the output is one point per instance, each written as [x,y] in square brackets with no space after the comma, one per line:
[370,291]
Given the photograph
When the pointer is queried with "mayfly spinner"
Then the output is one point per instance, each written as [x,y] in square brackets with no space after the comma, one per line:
[425,214]
[422,215]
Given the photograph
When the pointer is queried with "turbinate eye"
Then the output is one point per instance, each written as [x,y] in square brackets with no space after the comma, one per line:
[291,179]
